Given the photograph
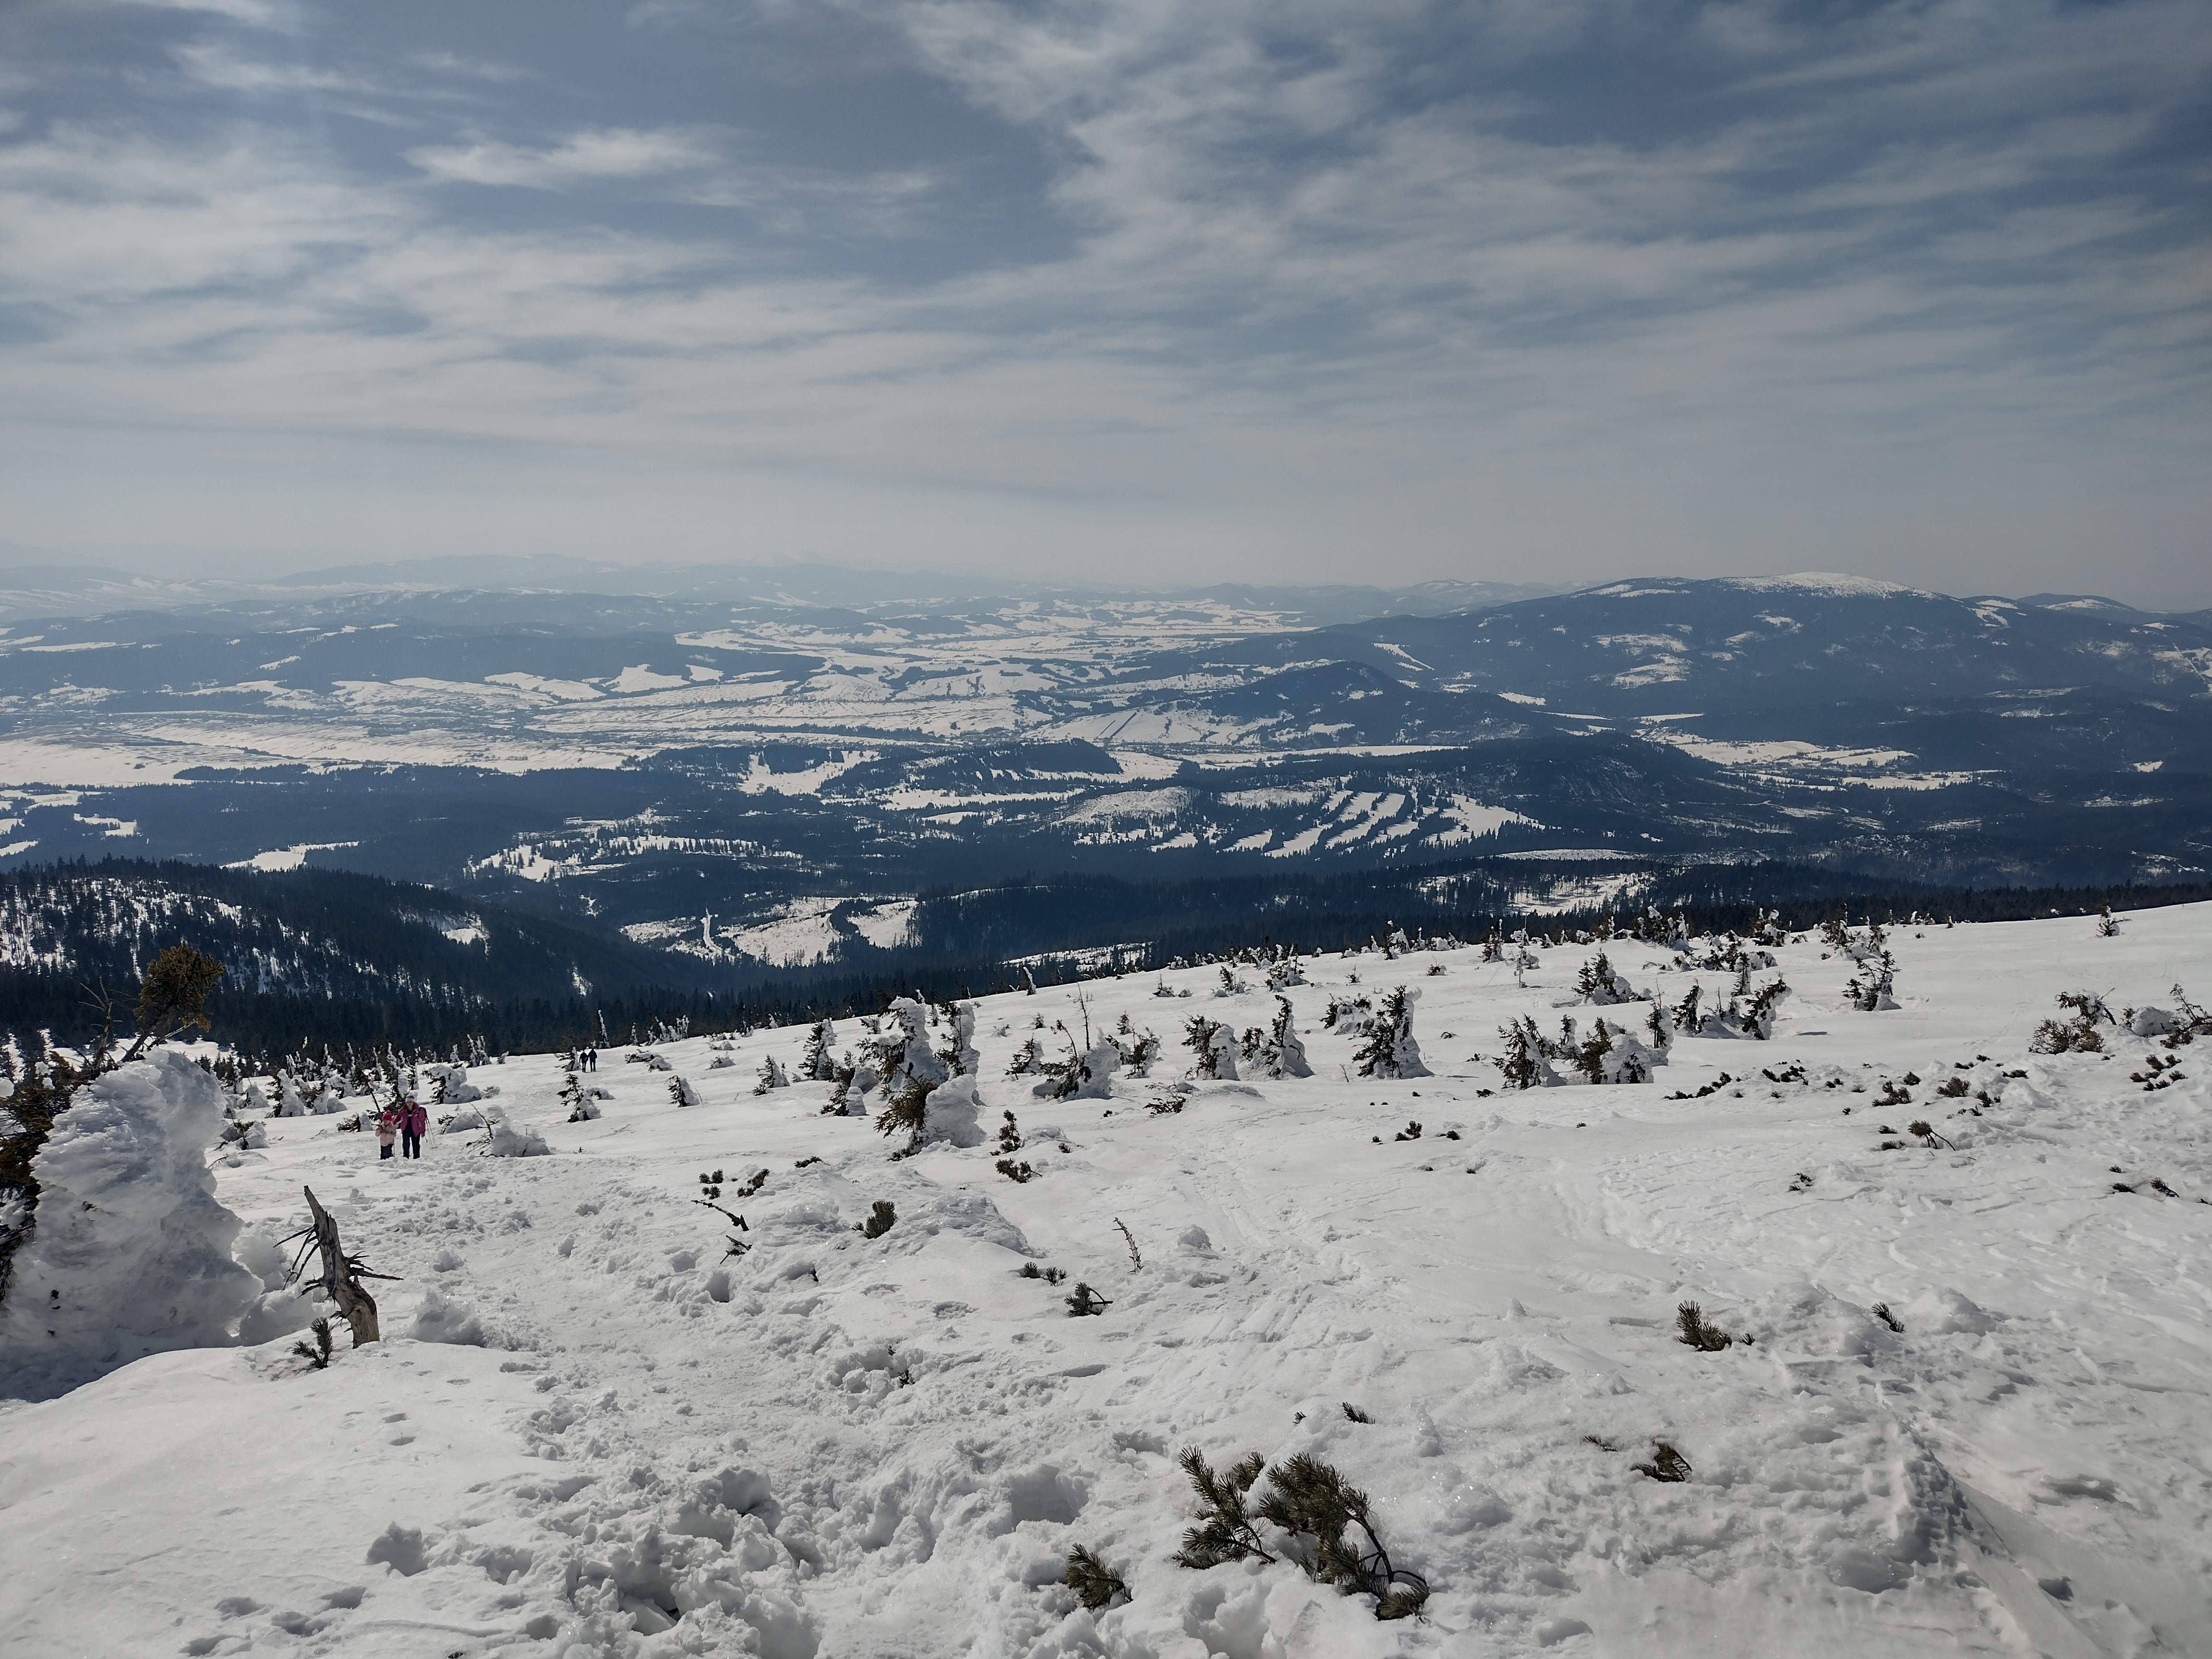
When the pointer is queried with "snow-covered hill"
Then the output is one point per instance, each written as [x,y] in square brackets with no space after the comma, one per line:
[1966,1410]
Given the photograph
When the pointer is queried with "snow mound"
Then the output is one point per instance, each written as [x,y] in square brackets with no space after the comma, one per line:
[131,1251]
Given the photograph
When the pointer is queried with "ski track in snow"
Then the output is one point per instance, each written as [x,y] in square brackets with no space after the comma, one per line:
[836,1446]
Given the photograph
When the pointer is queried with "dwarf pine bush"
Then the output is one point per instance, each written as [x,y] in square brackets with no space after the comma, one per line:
[1695,1333]
[1667,1464]
[1313,1503]
[1095,1584]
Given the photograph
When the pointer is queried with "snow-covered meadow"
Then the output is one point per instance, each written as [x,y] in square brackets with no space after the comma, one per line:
[588,1418]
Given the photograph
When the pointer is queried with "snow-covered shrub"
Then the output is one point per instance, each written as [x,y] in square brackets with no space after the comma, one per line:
[953,1114]
[1526,1062]
[1870,989]
[1230,985]
[503,1140]
[1348,1016]
[1692,1330]
[1278,1053]
[1138,1049]
[1086,1076]
[772,1077]
[2078,1034]
[958,1055]
[1096,1585]
[1613,1055]
[440,1320]
[582,1108]
[1598,984]
[1214,1046]
[1390,1049]
[682,1092]
[131,1253]
[901,1049]
[1736,1018]
[819,1063]
[1315,1505]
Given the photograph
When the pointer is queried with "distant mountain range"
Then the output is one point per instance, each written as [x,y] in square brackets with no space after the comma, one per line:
[776,777]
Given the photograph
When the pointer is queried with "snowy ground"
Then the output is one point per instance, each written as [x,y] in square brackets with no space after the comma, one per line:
[836,1446]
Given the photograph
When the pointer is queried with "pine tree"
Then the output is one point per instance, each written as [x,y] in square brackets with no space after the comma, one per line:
[1390,1050]
[819,1063]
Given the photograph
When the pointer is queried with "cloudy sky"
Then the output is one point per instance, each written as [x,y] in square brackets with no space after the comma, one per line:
[1312,290]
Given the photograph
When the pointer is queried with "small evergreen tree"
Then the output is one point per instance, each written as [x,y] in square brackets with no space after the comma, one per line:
[819,1063]
[1390,1050]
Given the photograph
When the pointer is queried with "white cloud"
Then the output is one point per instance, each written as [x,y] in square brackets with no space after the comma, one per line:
[1296,308]
[261,14]
[582,157]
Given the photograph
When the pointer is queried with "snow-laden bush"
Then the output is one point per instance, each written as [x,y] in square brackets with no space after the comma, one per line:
[1390,1049]
[131,1251]
[1088,1076]
[1600,984]
[819,1063]
[1276,1052]
[1613,1054]
[953,1113]
[440,1320]
[504,1140]
[1215,1046]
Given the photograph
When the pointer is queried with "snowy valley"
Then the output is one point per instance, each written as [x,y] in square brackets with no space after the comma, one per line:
[1950,1393]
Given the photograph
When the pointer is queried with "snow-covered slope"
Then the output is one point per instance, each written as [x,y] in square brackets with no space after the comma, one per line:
[831,1445]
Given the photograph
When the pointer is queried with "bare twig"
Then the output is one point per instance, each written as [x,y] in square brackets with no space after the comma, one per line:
[1136,1261]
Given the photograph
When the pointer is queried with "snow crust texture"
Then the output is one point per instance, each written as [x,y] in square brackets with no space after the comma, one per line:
[131,1253]
[1965,1404]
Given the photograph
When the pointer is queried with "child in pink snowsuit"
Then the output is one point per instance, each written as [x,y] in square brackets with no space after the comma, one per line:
[387,1130]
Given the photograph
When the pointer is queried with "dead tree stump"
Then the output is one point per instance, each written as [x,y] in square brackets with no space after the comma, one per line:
[342,1276]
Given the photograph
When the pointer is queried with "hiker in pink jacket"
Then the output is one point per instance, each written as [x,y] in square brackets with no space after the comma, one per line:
[387,1130]
[413,1121]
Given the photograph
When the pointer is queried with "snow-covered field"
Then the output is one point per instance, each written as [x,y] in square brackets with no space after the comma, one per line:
[842,1446]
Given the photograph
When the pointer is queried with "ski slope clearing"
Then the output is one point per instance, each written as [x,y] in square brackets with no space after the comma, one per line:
[1967,1408]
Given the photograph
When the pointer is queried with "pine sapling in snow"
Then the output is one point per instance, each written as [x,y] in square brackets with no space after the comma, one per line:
[1313,1503]
[2080,1033]
[1215,1046]
[1095,1584]
[1695,1333]
[819,1063]
[1870,989]
[1597,982]
[883,1216]
[582,1108]
[1526,1062]
[1015,1169]
[1667,1464]
[1390,1050]
[772,1077]
[683,1092]
[1276,1051]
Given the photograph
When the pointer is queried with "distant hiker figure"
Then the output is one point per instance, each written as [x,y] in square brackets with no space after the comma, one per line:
[387,1130]
[413,1122]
